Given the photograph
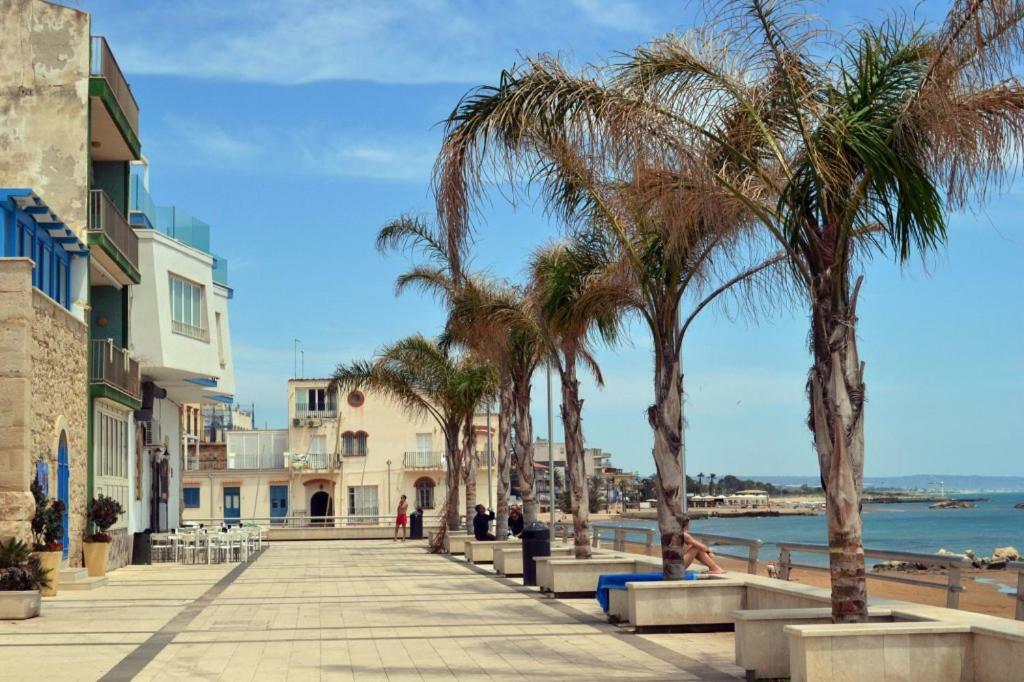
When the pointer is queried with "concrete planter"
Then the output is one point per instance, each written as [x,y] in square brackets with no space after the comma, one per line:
[96,555]
[20,605]
[50,561]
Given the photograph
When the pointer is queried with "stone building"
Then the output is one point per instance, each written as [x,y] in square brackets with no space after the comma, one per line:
[43,367]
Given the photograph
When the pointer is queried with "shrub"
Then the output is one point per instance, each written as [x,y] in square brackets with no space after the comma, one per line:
[48,522]
[103,512]
[19,570]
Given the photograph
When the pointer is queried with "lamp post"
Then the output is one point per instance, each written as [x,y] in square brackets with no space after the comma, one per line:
[389,485]
[490,493]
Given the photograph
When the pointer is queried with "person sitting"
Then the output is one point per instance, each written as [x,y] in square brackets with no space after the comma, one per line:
[482,523]
[695,550]
[515,522]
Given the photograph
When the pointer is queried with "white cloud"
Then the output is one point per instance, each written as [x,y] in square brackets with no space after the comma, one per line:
[412,41]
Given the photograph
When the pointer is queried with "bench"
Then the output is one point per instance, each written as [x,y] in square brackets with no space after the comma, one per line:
[482,551]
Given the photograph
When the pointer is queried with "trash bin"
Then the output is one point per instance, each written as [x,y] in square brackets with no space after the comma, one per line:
[536,542]
[416,525]
[142,550]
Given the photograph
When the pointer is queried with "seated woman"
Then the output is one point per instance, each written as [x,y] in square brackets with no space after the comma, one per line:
[696,550]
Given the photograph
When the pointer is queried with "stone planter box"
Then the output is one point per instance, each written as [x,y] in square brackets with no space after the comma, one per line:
[508,561]
[762,648]
[482,551]
[455,543]
[563,576]
[937,652]
[20,605]
[684,602]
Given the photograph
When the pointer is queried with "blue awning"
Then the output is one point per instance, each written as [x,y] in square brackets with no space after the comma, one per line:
[28,201]
[206,382]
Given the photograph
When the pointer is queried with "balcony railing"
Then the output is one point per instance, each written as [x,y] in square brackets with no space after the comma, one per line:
[424,460]
[190,330]
[105,66]
[104,218]
[305,411]
[112,366]
[254,460]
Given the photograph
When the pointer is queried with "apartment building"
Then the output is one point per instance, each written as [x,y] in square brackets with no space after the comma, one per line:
[70,130]
[351,458]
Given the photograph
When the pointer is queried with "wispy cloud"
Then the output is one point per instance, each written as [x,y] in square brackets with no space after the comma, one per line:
[311,151]
[412,41]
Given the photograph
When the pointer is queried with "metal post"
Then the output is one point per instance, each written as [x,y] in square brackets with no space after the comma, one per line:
[551,453]
[295,359]
[490,493]
[302,355]
[389,485]
[682,425]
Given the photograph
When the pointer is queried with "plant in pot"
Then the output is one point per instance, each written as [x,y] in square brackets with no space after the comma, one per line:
[103,513]
[48,536]
[22,578]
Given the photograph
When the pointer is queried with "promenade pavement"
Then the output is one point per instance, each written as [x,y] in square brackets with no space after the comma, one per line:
[340,610]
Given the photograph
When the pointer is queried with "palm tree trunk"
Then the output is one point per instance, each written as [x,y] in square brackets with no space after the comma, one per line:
[665,418]
[836,389]
[450,511]
[572,421]
[524,445]
[469,469]
[505,408]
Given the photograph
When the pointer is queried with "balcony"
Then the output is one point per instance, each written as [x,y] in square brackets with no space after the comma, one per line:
[190,330]
[112,369]
[306,411]
[424,460]
[108,83]
[253,460]
[318,461]
[119,246]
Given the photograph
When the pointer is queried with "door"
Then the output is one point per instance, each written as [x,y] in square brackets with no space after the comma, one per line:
[232,504]
[278,503]
[64,487]
[319,507]
[424,441]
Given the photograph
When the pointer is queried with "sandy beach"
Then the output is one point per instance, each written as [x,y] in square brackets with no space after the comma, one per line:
[979,597]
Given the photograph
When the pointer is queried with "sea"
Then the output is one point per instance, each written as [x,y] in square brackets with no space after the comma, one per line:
[906,527]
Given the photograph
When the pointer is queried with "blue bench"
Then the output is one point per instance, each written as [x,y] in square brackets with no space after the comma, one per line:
[617,581]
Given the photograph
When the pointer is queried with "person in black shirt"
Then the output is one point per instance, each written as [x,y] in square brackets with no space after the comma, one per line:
[482,523]
[515,522]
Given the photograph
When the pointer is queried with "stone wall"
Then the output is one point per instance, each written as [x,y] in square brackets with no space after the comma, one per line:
[120,549]
[213,456]
[60,388]
[44,104]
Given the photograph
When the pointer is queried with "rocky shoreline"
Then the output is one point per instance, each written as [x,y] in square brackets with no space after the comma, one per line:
[999,559]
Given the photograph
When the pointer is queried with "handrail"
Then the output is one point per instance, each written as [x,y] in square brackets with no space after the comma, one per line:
[1019,596]
[954,565]
[619,541]
[104,65]
[107,219]
[300,521]
[113,366]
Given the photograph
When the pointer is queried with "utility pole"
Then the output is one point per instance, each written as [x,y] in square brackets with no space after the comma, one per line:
[302,355]
[295,359]
[551,454]
[389,486]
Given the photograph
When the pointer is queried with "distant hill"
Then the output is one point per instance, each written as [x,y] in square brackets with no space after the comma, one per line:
[916,482]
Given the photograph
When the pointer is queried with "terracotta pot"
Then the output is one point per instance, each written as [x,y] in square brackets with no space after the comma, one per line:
[51,562]
[96,554]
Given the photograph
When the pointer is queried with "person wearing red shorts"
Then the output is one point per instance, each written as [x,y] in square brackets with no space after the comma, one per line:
[402,519]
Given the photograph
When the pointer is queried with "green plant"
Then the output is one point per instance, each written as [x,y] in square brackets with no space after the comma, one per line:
[19,570]
[103,512]
[47,524]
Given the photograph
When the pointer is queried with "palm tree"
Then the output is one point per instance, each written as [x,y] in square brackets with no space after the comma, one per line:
[700,483]
[869,150]
[560,275]
[711,484]
[427,380]
[656,248]
[437,277]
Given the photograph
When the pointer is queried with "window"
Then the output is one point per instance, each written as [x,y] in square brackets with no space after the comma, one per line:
[318,445]
[111,444]
[425,493]
[356,399]
[315,400]
[362,500]
[191,497]
[187,308]
[354,443]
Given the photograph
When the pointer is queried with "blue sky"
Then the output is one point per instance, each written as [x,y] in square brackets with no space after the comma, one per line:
[298,128]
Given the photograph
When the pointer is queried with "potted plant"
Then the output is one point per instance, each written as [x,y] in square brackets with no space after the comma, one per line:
[48,536]
[21,579]
[103,513]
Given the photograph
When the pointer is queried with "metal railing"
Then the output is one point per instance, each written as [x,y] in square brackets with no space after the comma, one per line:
[424,460]
[113,366]
[106,219]
[103,65]
[619,538]
[1019,596]
[305,521]
[256,460]
[190,330]
[953,565]
[304,411]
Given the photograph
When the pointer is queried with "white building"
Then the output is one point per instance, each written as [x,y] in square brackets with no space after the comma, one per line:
[181,338]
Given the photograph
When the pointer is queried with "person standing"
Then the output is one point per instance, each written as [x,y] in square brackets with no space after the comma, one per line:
[402,518]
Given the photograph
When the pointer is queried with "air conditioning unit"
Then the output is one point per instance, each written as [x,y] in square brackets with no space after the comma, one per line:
[296,421]
[311,423]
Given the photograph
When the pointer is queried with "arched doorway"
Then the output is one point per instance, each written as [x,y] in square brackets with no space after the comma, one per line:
[320,505]
[64,487]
